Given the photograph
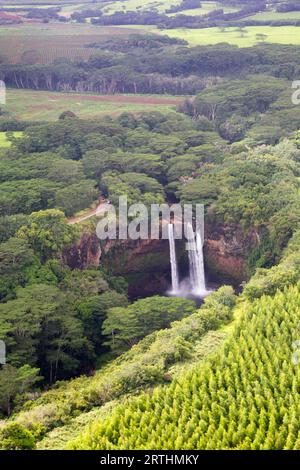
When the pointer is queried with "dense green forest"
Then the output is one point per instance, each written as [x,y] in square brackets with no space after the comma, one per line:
[56,321]
[151,64]
[214,400]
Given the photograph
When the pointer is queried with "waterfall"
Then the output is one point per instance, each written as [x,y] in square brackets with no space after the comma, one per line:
[196,285]
[196,262]
[173,261]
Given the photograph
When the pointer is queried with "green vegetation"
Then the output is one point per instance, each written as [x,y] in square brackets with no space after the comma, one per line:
[14,381]
[171,155]
[5,141]
[206,7]
[155,101]
[199,364]
[237,400]
[232,35]
[155,359]
[131,5]
[47,106]
[276,16]
[140,5]
[113,69]
[242,109]
[126,326]
[69,163]
[15,437]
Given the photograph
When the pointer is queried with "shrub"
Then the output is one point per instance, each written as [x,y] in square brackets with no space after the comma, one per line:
[16,437]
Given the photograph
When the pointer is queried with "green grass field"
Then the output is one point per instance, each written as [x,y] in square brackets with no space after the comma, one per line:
[4,142]
[47,106]
[57,40]
[160,5]
[62,29]
[206,7]
[197,37]
[275,16]
[67,8]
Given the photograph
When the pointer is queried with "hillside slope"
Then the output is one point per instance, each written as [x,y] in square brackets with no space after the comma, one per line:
[225,377]
[246,397]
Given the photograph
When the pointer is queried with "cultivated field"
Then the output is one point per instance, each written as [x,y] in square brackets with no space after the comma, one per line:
[47,106]
[55,40]
[45,43]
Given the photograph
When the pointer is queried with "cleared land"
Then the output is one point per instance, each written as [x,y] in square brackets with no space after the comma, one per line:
[47,106]
[49,42]
[197,37]
[56,40]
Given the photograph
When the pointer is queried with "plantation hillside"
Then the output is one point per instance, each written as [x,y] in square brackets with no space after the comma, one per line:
[239,391]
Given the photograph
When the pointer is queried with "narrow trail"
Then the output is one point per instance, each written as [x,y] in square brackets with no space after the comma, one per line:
[100,208]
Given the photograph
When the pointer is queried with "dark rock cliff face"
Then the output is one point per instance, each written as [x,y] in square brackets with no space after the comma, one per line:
[226,250]
[146,265]
[85,253]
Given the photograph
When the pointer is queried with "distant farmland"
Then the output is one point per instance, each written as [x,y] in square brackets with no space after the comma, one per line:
[46,43]
[55,40]
[47,106]
[247,38]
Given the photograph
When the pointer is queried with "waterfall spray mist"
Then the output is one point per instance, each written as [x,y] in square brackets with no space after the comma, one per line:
[173,260]
[196,262]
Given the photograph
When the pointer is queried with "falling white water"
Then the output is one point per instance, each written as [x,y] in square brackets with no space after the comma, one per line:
[196,262]
[173,261]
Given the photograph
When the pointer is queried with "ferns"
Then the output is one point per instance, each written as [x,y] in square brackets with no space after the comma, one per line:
[246,397]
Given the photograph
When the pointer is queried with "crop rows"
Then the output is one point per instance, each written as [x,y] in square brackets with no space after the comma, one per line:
[245,398]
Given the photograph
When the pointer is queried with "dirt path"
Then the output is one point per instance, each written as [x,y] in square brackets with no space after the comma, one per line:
[100,208]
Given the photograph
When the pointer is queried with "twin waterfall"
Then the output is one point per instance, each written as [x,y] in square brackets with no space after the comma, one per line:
[173,260]
[197,285]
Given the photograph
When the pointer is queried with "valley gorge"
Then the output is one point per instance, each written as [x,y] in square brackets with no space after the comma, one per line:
[145,264]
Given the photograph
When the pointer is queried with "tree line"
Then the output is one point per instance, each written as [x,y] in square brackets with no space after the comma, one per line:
[148,64]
